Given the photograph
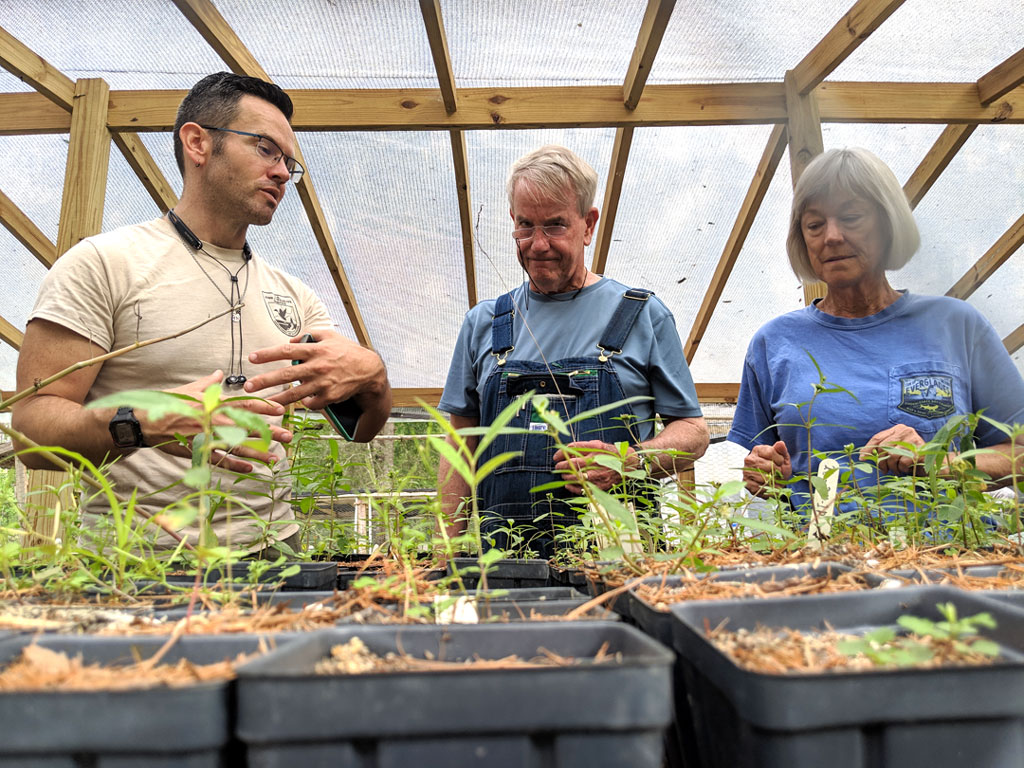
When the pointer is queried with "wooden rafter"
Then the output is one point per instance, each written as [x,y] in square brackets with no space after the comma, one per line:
[21,61]
[652,30]
[26,232]
[993,258]
[713,392]
[556,107]
[839,42]
[10,335]
[942,152]
[762,180]
[612,193]
[1002,79]
[458,139]
[85,175]
[209,22]
[1015,340]
[431,10]
[805,144]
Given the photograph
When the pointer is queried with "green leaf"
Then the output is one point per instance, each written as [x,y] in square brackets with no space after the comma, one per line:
[987,647]
[730,488]
[157,405]
[211,397]
[611,553]
[609,407]
[253,422]
[490,557]
[919,626]
[197,477]
[820,486]
[454,458]
[493,463]
[230,435]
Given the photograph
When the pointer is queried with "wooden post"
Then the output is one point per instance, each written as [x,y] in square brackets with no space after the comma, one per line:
[81,215]
[805,144]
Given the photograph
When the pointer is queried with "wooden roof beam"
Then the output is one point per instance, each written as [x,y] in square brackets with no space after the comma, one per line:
[26,232]
[993,258]
[214,28]
[10,335]
[942,152]
[1015,340]
[85,174]
[432,20]
[805,144]
[759,185]
[612,193]
[839,42]
[555,107]
[431,10]
[1002,79]
[458,139]
[652,30]
[21,61]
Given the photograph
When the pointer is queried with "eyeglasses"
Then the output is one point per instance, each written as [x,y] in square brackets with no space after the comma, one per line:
[267,149]
[551,231]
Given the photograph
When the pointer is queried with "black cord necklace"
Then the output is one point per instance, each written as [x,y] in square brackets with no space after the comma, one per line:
[553,297]
[195,245]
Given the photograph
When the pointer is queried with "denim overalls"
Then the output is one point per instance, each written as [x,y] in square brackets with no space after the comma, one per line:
[572,385]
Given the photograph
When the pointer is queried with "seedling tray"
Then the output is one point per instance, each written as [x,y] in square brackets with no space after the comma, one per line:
[941,718]
[152,728]
[504,574]
[595,715]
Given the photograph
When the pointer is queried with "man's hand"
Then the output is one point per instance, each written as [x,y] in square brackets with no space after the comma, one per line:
[764,462]
[596,474]
[161,434]
[330,370]
[890,463]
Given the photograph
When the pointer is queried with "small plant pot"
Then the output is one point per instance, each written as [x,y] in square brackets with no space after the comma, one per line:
[503,574]
[596,715]
[567,577]
[159,727]
[948,717]
[310,576]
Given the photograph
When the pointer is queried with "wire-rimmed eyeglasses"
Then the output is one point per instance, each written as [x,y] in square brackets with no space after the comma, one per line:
[267,148]
[550,231]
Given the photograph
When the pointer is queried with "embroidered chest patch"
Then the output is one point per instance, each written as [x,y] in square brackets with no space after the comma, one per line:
[283,312]
[929,396]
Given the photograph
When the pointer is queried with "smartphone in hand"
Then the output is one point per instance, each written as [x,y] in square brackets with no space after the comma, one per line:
[344,416]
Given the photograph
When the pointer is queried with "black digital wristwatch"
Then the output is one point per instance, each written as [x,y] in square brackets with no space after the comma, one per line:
[126,430]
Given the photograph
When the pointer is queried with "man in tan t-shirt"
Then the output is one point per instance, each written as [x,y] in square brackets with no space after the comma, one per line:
[235,149]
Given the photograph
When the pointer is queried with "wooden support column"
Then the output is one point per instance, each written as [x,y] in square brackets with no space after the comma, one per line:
[85,175]
[762,180]
[952,138]
[28,234]
[805,144]
[612,192]
[652,30]
[994,258]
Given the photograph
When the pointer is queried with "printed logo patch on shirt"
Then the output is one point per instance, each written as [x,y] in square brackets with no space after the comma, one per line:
[929,396]
[283,312]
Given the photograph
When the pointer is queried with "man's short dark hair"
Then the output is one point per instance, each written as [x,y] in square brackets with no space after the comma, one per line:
[214,101]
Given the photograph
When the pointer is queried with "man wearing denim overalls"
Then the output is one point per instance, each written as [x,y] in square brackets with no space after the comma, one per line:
[581,339]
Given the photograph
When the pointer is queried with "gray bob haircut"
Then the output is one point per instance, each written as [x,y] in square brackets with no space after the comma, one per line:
[553,169]
[856,171]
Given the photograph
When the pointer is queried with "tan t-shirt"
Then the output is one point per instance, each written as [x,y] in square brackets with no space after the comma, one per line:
[141,282]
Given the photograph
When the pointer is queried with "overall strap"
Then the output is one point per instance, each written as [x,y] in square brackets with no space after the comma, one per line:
[501,327]
[618,328]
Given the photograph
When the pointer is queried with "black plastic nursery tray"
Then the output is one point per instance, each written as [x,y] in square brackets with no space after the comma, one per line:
[152,728]
[504,574]
[948,717]
[590,715]
[310,576]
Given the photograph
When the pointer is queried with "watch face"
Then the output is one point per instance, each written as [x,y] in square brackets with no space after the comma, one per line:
[123,433]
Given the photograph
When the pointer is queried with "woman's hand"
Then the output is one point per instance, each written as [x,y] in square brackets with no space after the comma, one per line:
[765,462]
[899,462]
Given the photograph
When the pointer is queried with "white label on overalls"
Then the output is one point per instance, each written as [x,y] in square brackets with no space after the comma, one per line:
[538,426]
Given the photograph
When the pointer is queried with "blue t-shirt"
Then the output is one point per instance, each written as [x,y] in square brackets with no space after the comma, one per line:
[917,362]
[651,363]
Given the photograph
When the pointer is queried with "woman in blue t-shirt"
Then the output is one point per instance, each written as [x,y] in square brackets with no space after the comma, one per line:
[905,363]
